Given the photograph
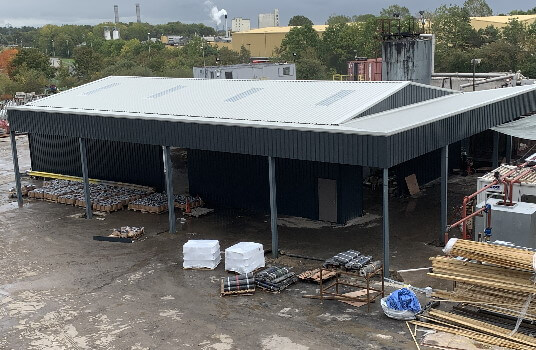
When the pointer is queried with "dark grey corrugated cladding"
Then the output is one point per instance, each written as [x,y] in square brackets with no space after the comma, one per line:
[280,143]
[423,139]
[241,181]
[107,160]
[321,146]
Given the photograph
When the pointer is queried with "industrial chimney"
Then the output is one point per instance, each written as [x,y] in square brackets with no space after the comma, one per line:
[116,11]
[138,15]
[226,34]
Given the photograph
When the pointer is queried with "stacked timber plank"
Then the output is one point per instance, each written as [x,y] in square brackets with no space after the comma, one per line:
[495,280]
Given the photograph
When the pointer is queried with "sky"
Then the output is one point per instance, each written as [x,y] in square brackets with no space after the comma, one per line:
[38,12]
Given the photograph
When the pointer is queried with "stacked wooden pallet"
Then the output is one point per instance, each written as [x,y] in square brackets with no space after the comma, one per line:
[496,280]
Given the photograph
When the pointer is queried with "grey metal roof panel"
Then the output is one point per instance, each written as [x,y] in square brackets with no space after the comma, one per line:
[524,128]
[250,101]
[415,115]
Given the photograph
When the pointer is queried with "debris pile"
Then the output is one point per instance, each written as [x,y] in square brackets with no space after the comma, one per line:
[128,232]
[275,278]
[497,282]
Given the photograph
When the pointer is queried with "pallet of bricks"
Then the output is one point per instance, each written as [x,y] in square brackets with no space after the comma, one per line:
[157,203]
[494,288]
[104,197]
[182,201]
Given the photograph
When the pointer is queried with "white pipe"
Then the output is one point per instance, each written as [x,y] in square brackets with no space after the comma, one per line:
[469,75]
[487,81]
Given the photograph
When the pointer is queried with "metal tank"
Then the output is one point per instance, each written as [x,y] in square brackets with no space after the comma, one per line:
[407,59]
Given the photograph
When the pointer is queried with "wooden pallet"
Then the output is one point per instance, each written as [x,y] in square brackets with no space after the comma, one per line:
[236,292]
[148,212]
[314,276]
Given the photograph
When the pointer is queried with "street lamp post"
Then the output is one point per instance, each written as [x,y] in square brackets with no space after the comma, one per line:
[474,62]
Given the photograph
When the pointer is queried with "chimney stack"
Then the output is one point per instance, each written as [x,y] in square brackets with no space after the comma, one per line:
[116,11]
[138,15]
[226,34]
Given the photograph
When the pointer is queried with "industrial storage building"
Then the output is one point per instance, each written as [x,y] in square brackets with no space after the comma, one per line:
[295,147]
[274,71]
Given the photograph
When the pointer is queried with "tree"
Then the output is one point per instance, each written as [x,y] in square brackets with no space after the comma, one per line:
[31,59]
[477,8]
[30,80]
[389,12]
[245,55]
[452,26]
[338,19]
[521,12]
[87,62]
[6,56]
[300,20]
[297,40]
[310,67]
[363,18]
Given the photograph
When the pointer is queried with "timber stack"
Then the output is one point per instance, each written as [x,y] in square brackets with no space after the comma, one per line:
[494,286]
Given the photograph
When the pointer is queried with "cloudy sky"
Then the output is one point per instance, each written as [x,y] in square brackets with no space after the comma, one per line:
[40,12]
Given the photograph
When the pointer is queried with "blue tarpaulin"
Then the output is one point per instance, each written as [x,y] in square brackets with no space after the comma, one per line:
[403,299]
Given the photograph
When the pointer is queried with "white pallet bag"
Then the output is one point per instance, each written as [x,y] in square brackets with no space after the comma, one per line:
[201,254]
[244,257]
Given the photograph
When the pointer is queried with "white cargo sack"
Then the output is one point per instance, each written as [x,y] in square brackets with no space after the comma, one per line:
[200,254]
[244,257]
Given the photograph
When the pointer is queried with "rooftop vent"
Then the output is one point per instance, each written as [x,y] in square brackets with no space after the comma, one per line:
[243,94]
[100,89]
[335,97]
[168,91]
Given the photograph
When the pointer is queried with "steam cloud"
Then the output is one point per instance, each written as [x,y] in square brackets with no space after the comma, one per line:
[215,14]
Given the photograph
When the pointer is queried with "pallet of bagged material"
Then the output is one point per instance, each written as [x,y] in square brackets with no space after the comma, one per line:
[238,285]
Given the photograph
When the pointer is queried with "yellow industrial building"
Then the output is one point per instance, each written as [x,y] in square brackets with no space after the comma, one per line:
[500,21]
[264,42]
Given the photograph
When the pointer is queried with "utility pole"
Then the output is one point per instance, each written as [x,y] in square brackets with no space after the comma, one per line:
[475,61]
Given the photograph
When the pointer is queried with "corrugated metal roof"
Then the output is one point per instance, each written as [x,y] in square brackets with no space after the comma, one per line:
[524,128]
[415,115]
[313,103]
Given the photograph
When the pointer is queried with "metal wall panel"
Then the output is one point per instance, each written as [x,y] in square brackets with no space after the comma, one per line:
[426,167]
[241,181]
[408,95]
[107,160]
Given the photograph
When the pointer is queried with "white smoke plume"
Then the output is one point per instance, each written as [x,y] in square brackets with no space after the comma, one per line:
[215,14]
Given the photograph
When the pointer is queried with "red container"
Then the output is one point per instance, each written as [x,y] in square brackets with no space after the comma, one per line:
[365,70]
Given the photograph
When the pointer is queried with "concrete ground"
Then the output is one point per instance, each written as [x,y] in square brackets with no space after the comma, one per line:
[60,289]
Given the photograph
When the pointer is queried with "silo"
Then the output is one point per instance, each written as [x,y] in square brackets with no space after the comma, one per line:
[115,34]
[407,59]
[107,34]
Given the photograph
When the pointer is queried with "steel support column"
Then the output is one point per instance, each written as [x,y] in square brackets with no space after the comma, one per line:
[444,180]
[495,153]
[16,167]
[386,253]
[169,188]
[508,149]
[85,177]
[273,206]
